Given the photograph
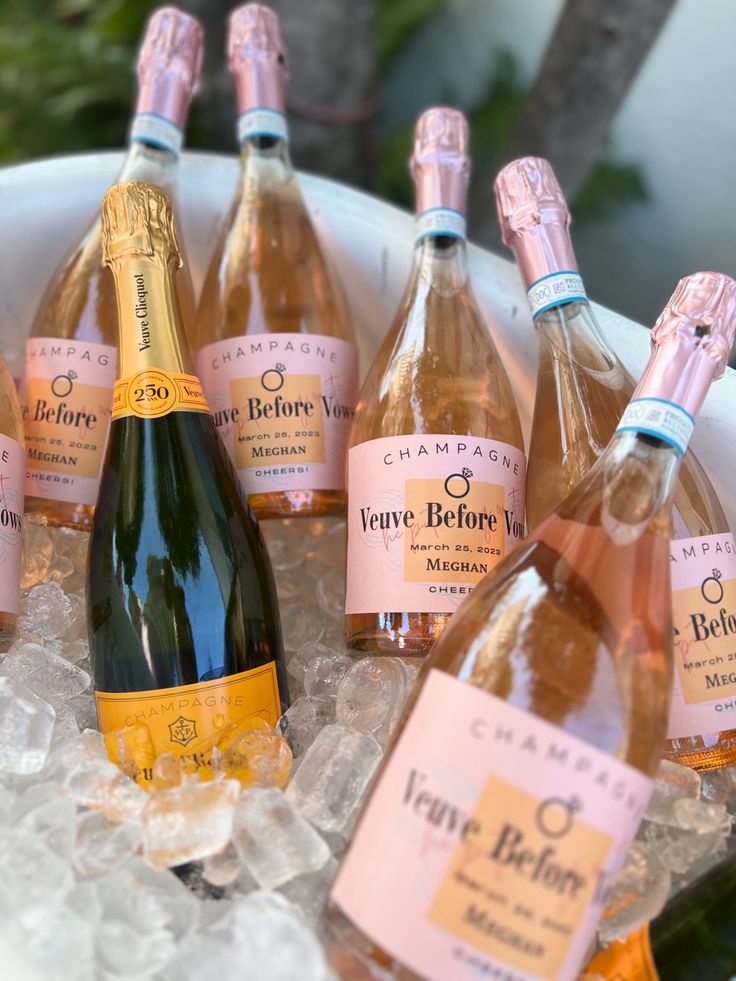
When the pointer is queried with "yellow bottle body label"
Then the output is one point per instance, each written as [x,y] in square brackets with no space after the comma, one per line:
[189,721]
[153,392]
[627,960]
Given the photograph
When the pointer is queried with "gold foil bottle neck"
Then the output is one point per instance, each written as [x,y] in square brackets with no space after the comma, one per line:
[137,219]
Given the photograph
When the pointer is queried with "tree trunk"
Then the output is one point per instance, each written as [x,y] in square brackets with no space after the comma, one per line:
[332,88]
[592,58]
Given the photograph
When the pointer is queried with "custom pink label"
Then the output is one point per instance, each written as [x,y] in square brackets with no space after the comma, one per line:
[12,474]
[67,398]
[283,404]
[489,854]
[428,517]
[704,620]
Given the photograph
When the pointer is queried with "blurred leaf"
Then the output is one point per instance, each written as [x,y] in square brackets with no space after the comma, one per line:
[397,21]
[609,186]
[392,170]
[492,122]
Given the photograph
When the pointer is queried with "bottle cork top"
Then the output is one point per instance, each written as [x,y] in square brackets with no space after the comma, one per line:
[137,219]
[534,218]
[440,162]
[257,57]
[169,64]
[691,341]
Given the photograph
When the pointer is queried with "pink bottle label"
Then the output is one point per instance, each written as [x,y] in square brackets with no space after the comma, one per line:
[428,517]
[283,404]
[704,619]
[67,398]
[490,842]
[12,474]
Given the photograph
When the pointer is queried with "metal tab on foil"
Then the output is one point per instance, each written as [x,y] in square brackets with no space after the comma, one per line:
[440,162]
[257,58]
[137,219]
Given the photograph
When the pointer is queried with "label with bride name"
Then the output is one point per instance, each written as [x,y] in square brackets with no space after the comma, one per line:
[428,517]
[704,620]
[627,960]
[153,392]
[66,396]
[188,721]
[490,854]
[283,404]
[12,475]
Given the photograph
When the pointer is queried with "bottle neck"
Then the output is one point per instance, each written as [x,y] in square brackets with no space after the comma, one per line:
[152,164]
[149,319]
[570,332]
[548,267]
[441,262]
[265,161]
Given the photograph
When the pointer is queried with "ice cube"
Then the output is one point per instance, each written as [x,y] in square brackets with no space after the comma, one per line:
[60,941]
[125,952]
[54,822]
[148,900]
[51,677]
[304,720]
[333,777]
[223,868]
[310,891]
[718,787]
[701,816]
[253,753]
[371,696]
[26,728]
[301,623]
[38,550]
[331,591]
[638,895]
[325,671]
[673,782]
[273,839]
[30,872]
[186,823]
[677,849]
[45,611]
[102,844]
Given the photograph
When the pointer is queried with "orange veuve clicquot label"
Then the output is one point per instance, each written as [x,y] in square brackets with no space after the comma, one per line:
[153,392]
[628,960]
[188,721]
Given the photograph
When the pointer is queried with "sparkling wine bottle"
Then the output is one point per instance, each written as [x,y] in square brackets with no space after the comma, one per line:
[70,358]
[182,612]
[524,760]
[12,474]
[582,389]
[692,939]
[274,345]
[436,460]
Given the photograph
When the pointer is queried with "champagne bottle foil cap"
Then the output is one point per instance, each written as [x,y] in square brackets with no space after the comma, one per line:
[440,162]
[137,219]
[691,341]
[257,57]
[169,64]
[534,218]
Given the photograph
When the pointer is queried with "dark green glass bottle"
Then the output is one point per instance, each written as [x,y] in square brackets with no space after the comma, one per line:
[692,939]
[183,619]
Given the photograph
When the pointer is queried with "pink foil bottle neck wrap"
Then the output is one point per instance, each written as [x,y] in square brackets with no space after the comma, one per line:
[440,163]
[257,58]
[691,341]
[169,65]
[534,219]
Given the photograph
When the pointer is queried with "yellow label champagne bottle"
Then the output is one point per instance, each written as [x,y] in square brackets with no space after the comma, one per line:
[582,388]
[436,465]
[274,344]
[524,760]
[12,475]
[182,612]
[69,368]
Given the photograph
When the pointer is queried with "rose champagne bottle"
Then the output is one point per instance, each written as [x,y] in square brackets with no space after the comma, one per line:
[524,759]
[692,939]
[70,358]
[12,475]
[582,388]
[274,345]
[182,612]
[436,460]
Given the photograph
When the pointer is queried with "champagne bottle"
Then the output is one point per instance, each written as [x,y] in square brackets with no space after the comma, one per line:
[274,345]
[436,460]
[12,474]
[182,612]
[692,939]
[582,389]
[70,357]
[524,760]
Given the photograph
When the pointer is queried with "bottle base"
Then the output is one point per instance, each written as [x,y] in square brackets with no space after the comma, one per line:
[298,504]
[710,751]
[397,634]
[60,514]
